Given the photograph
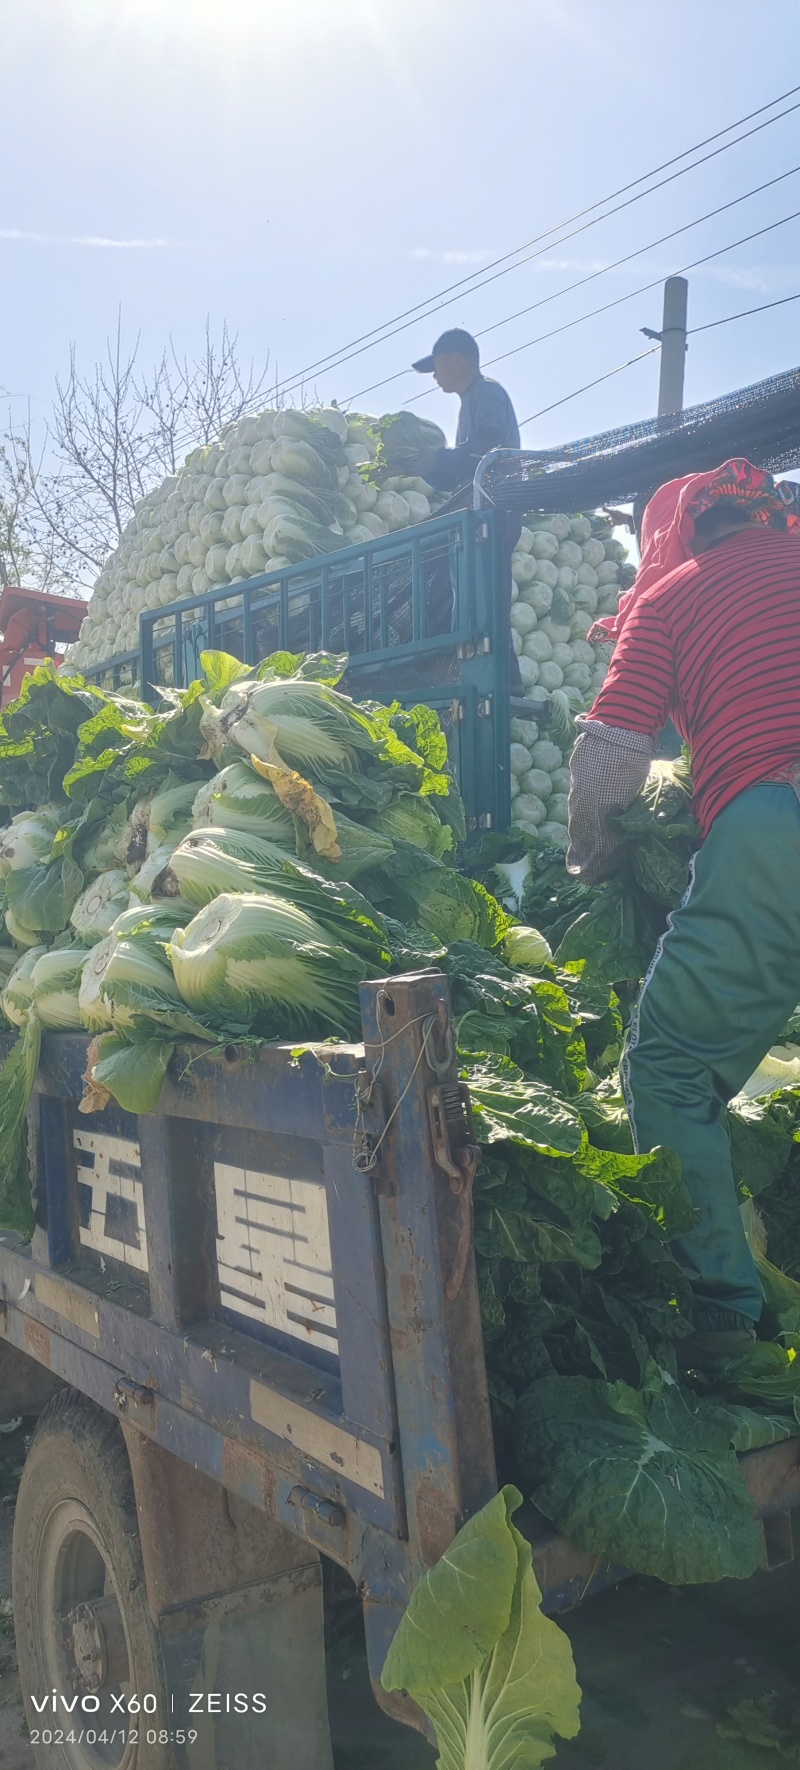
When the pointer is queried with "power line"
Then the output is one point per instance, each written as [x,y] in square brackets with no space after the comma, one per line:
[478,280]
[696,262]
[661,241]
[744,315]
[596,383]
[592,276]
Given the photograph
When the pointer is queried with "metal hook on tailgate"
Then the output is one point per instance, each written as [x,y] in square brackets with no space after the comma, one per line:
[455,1149]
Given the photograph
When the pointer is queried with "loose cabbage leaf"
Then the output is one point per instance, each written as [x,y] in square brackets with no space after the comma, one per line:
[766,1723]
[645,1477]
[494,1675]
[510,1106]
[17,1078]
[417,888]
[767,1373]
[761,1142]
[131,1069]
[313,666]
[220,670]
[42,897]
[39,735]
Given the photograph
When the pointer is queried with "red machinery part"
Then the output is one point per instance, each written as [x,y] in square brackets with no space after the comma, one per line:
[33,623]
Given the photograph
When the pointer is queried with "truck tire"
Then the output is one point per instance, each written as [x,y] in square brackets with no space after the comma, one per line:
[84,1634]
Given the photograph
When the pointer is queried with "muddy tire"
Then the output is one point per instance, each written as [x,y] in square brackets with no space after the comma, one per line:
[80,1608]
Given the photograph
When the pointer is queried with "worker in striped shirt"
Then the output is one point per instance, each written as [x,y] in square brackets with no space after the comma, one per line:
[708,637]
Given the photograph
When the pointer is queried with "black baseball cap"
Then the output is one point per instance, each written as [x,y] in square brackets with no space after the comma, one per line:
[462,343]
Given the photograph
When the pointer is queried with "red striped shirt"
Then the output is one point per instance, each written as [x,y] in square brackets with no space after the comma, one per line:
[715,646]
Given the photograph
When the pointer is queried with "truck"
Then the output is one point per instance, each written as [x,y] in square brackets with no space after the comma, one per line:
[249,1321]
[34,625]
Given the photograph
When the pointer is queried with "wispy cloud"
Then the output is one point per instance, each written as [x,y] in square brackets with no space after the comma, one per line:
[23,236]
[457,255]
[764,279]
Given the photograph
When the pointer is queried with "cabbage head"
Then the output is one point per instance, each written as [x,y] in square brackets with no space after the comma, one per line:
[210,861]
[55,983]
[525,949]
[17,992]
[170,810]
[136,985]
[411,818]
[95,1014]
[98,906]
[108,843]
[302,460]
[28,839]
[17,932]
[258,960]
[239,799]
[304,725]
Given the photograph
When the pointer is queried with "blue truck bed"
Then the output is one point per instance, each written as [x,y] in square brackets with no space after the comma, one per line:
[269,1283]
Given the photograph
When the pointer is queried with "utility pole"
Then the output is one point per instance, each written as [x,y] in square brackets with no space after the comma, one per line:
[672,338]
[673,346]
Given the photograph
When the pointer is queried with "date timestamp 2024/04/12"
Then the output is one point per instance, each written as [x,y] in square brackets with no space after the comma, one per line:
[121,1736]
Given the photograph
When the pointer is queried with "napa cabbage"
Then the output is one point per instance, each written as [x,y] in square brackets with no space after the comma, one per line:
[55,982]
[136,985]
[240,799]
[95,1014]
[18,993]
[210,861]
[288,721]
[413,819]
[260,960]
[98,906]
[28,839]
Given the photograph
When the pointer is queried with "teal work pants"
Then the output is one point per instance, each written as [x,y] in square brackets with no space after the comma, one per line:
[724,980]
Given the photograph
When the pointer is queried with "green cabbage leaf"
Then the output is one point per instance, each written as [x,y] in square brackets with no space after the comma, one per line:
[475,1651]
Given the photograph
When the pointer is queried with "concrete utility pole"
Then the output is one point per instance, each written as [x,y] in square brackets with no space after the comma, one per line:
[673,346]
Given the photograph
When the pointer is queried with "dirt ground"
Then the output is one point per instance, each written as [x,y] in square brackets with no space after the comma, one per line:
[659,1669]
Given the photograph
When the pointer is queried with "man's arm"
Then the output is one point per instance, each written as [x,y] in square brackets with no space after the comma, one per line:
[447,469]
[612,755]
[607,768]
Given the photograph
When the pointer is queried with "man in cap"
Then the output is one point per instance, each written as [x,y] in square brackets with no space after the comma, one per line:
[486,421]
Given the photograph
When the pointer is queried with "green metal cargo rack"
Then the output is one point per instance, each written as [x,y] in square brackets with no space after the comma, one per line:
[416,614]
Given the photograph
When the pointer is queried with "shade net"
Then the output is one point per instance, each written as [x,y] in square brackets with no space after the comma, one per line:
[761,422]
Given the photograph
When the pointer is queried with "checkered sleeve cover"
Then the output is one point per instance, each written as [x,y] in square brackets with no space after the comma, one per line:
[607,768]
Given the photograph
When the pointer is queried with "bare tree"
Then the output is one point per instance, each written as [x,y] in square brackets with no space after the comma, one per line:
[190,401]
[113,436]
[22,558]
[14,553]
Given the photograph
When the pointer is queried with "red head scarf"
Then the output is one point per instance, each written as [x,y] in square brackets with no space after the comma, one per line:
[669,519]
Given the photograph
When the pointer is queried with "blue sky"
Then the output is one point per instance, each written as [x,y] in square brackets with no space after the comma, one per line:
[307,169]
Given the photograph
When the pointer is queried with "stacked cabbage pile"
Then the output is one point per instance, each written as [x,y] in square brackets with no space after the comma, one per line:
[567,572]
[233,864]
[278,487]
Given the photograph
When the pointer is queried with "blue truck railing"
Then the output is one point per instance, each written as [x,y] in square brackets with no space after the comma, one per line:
[417,614]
